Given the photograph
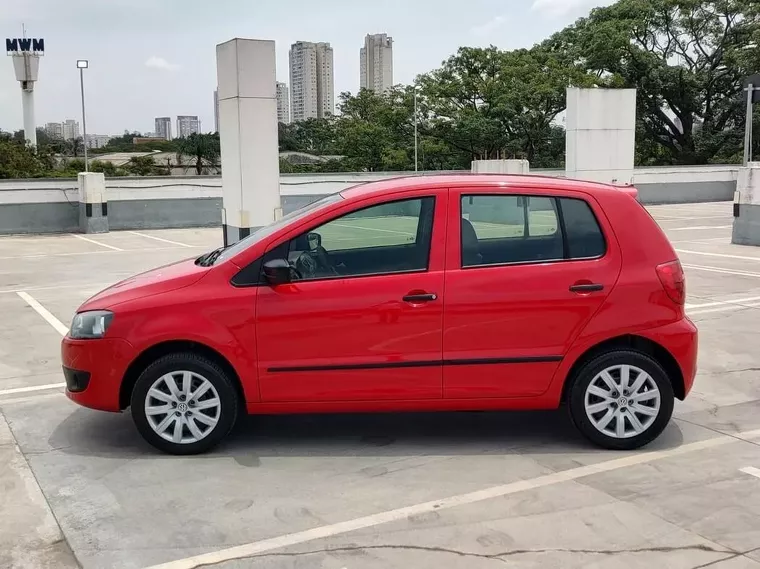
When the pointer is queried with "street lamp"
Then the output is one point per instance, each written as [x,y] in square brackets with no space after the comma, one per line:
[416,90]
[83,64]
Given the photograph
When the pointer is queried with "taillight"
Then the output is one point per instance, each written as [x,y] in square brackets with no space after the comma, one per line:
[673,281]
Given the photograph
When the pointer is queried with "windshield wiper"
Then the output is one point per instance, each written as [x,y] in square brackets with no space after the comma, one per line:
[208,259]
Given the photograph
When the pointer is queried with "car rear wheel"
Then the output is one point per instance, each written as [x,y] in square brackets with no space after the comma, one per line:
[184,404]
[621,400]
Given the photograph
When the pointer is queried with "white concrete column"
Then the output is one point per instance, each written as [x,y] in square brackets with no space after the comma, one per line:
[747,206]
[93,204]
[601,135]
[500,167]
[246,81]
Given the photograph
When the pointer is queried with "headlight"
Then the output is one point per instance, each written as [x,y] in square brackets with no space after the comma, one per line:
[89,325]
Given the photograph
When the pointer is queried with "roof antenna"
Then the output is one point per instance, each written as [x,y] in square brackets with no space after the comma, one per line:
[23,30]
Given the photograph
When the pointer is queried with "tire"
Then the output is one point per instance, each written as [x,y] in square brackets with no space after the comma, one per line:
[206,408]
[647,411]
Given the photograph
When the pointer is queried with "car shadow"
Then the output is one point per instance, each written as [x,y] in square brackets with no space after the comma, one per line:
[93,433]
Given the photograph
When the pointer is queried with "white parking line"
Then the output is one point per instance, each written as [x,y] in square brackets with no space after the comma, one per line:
[666,218]
[161,239]
[752,471]
[721,270]
[373,229]
[729,308]
[45,313]
[15,390]
[723,302]
[696,227]
[725,256]
[258,547]
[83,238]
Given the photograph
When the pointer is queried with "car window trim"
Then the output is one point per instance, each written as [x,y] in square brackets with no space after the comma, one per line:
[561,227]
[236,282]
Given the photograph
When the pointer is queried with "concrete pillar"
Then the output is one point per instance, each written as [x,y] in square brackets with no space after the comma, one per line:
[601,135]
[246,81]
[747,206]
[500,167]
[93,204]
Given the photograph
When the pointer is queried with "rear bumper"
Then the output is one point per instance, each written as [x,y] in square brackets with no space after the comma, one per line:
[94,370]
[681,340]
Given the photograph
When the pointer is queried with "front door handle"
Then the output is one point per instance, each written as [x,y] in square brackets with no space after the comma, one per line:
[591,287]
[426,297]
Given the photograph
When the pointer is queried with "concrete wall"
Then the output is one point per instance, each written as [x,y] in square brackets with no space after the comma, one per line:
[52,205]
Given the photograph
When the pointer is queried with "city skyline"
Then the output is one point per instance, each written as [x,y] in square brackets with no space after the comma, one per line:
[172,69]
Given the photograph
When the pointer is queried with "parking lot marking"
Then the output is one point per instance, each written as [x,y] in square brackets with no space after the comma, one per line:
[704,253]
[259,547]
[83,238]
[721,270]
[16,390]
[83,286]
[752,471]
[723,302]
[667,218]
[697,227]
[164,240]
[60,327]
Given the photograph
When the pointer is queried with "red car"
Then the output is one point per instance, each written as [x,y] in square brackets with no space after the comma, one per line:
[443,293]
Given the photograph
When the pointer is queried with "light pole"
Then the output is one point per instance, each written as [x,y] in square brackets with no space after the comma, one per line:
[415,129]
[83,64]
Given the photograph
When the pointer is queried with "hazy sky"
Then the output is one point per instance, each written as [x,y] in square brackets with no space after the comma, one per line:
[152,58]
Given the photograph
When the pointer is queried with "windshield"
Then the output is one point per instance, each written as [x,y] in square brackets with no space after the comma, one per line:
[268,230]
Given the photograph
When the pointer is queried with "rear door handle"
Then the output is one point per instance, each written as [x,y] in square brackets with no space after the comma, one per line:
[591,287]
[420,297]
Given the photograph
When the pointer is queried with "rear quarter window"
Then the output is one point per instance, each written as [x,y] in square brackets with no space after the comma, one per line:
[584,237]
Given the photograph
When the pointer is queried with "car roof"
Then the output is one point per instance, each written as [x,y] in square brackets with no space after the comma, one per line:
[483,182]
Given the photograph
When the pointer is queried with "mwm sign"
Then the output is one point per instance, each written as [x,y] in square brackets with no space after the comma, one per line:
[24,45]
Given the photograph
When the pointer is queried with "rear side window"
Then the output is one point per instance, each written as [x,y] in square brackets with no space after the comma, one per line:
[505,229]
[582,232]
[513,229]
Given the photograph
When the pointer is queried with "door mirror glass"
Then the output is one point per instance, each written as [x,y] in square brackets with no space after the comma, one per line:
[277,272]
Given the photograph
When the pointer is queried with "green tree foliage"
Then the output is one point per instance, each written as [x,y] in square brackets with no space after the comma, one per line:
[202,150]
[19,160]
[142,166]
[686,58]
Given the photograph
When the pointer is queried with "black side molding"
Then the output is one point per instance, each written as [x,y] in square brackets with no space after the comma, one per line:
[430,363]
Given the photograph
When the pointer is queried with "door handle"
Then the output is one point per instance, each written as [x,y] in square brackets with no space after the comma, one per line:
[426,297]
[591,287]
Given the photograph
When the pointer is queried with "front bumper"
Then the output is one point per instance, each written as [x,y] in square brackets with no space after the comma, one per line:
[94,370]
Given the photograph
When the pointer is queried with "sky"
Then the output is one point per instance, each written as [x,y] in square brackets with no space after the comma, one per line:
[151,58]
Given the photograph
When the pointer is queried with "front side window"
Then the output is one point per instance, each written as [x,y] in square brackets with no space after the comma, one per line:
[504,229]
[392,237]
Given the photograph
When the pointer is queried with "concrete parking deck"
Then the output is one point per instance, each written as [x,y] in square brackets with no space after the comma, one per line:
[469,490]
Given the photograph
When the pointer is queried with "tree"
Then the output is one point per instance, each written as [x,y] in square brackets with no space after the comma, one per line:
[19,160]
[108,168]
[202,149]
[685,57]
[142,166]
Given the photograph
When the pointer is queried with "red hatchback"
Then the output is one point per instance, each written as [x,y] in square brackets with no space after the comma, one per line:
[428,294]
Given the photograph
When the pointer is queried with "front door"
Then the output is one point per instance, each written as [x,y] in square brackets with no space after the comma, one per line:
[525,274]
[362,319]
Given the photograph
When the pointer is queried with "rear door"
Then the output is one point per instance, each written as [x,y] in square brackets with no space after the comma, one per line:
[525,273]
[363,318]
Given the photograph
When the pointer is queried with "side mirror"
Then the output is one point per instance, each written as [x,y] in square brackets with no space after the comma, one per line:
[277,272]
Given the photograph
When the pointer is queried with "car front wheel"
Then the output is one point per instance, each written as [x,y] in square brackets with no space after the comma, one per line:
[184,404]
[621,400]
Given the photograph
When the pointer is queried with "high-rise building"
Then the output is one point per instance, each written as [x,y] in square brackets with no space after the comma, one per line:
[97,140]
[164,127]
[312,82]
[376,63]
[187,125]
[70,129]
[54,130]
[283,103]
[216,110]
